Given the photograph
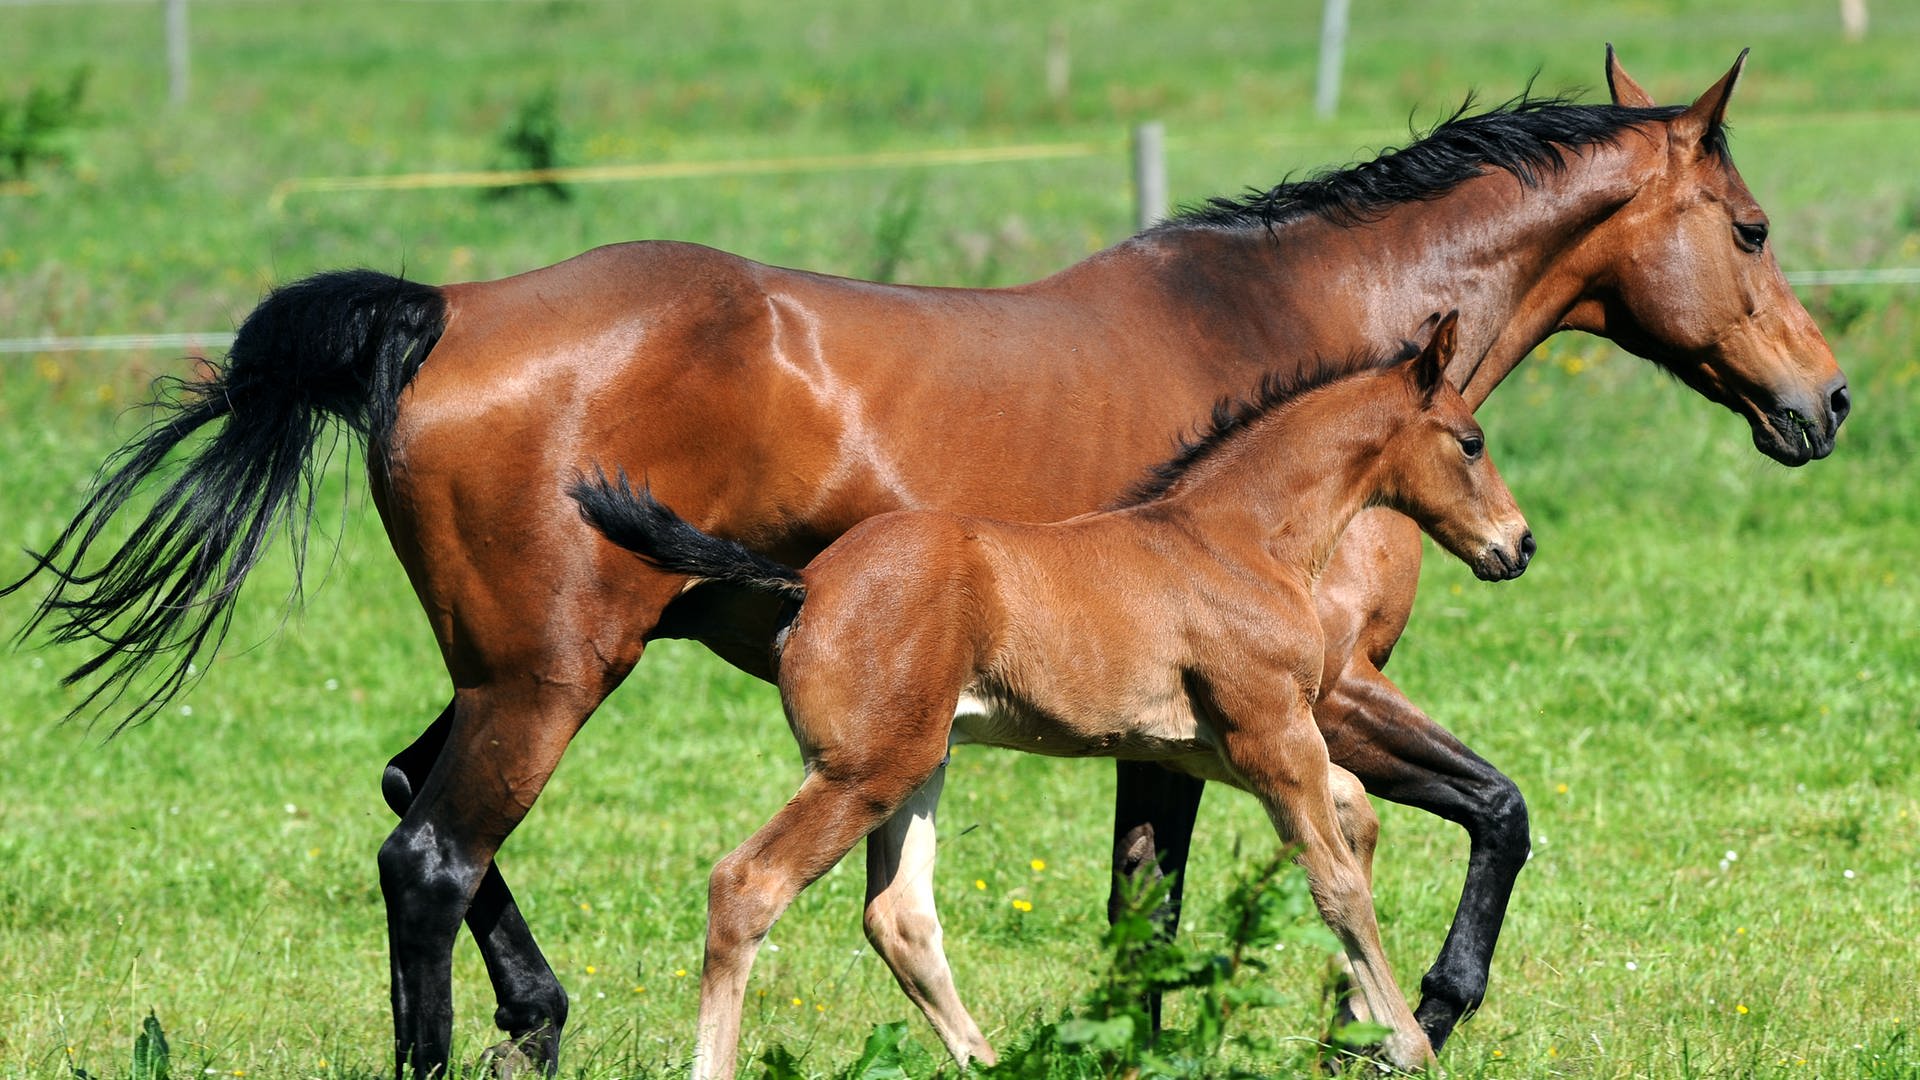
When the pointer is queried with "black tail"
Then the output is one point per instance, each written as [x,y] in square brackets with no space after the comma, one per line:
[642,524]
[336,346]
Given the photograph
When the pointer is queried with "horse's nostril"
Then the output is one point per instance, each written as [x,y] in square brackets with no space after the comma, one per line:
[1527,545]
[1841,403]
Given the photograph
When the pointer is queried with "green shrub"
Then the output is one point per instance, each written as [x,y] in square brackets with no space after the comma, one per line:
[37,126]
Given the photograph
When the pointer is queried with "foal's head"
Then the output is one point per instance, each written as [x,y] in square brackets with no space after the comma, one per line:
[1436,470]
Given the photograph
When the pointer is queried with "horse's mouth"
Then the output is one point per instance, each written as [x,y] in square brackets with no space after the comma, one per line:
[1790,437]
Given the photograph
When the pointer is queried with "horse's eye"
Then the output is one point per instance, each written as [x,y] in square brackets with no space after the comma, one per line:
[1753,235]
[1471,445]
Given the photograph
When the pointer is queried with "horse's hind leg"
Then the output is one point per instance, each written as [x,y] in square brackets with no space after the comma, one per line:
[1402,755]
[501,745]
[904,927]
[532,1005]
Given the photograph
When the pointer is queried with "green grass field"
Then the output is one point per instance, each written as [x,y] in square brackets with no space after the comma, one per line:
[1707,686]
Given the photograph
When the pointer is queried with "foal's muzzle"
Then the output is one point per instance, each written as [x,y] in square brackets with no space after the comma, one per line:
[1506,561]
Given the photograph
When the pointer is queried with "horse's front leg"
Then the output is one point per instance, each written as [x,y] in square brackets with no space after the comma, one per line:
[531,1005]
[1153,814]
[1401,755]
[903,926]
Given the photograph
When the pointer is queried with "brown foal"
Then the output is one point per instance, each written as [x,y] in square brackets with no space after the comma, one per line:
[1180,629]
[780,408]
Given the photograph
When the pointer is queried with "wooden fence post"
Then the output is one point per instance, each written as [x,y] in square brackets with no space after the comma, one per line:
[177,69]
[1333,45]
[1149,174]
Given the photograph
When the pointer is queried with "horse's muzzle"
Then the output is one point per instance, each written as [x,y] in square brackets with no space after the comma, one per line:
[1794,437]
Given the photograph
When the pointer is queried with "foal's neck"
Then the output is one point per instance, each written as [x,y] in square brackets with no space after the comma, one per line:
[1296,477]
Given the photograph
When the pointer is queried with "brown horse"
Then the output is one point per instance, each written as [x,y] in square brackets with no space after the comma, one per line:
[1180,629]
[780,408]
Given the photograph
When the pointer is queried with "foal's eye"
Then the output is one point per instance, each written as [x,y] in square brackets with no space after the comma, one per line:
[1471,445]
[1752,235]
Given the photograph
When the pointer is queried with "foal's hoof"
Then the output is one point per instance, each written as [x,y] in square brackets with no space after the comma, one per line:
[1397,1055]
[533,1056]
[1348,1008]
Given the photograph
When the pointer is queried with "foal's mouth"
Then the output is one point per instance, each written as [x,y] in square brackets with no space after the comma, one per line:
[1497,563]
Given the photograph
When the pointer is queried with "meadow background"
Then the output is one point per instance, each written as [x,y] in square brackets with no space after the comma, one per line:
[1706,686]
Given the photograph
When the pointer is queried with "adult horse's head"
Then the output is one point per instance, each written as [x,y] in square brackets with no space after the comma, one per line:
[1696,287]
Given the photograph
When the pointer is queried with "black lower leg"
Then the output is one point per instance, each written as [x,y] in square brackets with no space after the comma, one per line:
[1153,814]
[425,896]
[532,1005]
[1402,755]
[1457,982]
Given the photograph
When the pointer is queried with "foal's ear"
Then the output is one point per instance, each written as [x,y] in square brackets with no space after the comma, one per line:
[1621,85]
[1708,111]
[1430,367]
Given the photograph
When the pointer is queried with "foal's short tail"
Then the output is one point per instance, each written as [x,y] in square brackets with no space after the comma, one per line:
[642,524]
[336,346]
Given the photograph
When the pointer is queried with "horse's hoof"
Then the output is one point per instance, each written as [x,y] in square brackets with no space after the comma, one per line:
[527,1057]
[507,1061]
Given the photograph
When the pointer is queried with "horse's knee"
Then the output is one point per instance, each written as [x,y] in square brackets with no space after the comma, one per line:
[396,787]
[1502,825]
[1359,824]
[426,890]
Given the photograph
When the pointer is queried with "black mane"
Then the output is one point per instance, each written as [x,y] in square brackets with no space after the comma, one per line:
[1233,416]
[1527,137]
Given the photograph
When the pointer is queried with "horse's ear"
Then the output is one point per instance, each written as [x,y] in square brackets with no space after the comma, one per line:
[1430,367]
[1621,85]
[1709,110]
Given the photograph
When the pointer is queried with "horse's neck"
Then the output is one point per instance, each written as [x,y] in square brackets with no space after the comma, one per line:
[1513,260]
[1291,485]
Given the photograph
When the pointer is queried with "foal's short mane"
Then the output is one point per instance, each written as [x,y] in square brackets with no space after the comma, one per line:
[1527,137]
[1232,416]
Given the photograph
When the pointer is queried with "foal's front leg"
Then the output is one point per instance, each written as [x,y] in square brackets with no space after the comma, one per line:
[904,927]
[1284,763]
[1403,756]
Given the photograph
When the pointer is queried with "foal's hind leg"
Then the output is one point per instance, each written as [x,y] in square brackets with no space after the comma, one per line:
[532,1005]
[836,805]
[904,927]
[1401,755]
